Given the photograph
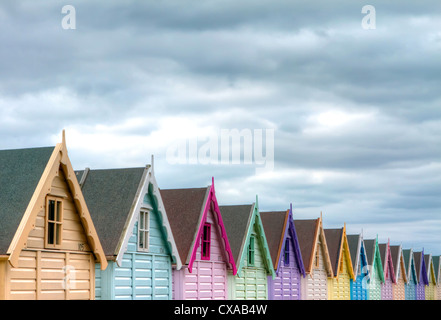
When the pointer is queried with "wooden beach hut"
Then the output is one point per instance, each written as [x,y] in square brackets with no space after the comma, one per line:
[339,285]
[250,251]
[135,233]
[431,287]
[285,252]
[421,272]
[204,249]
[388,271]
[360,267]
[48,242]
[412,279]
[376,273]
[316,260]
[437,269]
[400,272]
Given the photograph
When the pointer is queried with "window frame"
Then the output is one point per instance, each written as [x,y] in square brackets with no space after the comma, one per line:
[206,241]
[251,251]
[286,252]
[57,223]
[143,230]
[317,258]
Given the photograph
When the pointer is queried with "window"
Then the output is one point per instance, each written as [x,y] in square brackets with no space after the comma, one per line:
[317,258]
[54,222]
[286,252]
[143,230]
[205,243]
[251,251]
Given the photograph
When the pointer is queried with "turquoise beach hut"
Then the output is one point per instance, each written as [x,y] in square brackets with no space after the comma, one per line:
[131,221]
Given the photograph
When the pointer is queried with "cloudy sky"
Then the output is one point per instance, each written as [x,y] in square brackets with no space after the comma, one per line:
[355,112]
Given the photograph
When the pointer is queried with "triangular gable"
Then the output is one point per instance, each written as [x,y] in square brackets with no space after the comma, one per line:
[398,262]
[409,264]
[115,197]
[358,253]
[253,221]
[430,270]
[337,245]
[295,240]
[309,232]
[187,210]
[387,263]
[436,267]
[374,258]
[420,267]
[59,159]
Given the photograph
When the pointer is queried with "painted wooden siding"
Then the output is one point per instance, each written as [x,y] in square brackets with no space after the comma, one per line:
[251,282]
[339,289]
[374,285]
[410,291]
[386,287]
[74,237]
[359,286]
[286,285]
[420,291]
[386,290]
[315,287]
[430,292]
[208,280]
[142,275]
[64,273]
[438,292]
[399,289]
[46,275]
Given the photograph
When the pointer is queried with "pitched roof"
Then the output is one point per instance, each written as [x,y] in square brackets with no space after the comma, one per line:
[436,266]
[334,239]
[110,195]
[395,254]
[407,260]
[236,219]
[382,247]
[20,173]
[370,250]
[306,233]
[354,242]
[420,267]
[184,208]
[385,255]
[274,224]
[417,257]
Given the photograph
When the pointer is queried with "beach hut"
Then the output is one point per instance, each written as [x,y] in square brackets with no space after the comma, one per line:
[285,252]
[316,260]
[339,285]
[48,241]
[203,246]
[376,273]
[431,287]
[388,271]
[437,269]
[396,253]
[360,267]
[412,279]
[250,251]
[421,272]
[135,233]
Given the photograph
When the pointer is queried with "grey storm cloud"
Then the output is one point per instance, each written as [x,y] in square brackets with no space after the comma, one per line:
[356,113]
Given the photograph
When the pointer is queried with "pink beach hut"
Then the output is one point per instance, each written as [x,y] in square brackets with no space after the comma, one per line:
[202,243]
